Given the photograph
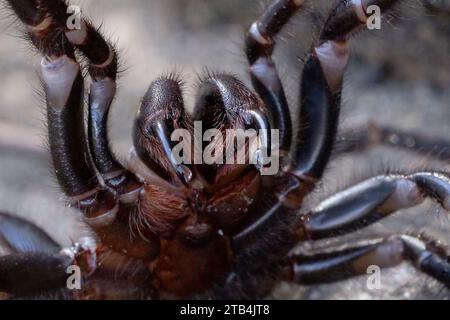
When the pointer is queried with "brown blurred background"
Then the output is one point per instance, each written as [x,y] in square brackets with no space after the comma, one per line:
[398,75]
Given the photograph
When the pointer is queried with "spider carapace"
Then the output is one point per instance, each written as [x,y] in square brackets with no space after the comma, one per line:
[205,230]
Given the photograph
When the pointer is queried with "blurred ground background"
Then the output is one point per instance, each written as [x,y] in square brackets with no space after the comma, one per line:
[398,75]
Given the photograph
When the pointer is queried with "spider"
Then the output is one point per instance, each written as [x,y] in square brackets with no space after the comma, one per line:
[207,231]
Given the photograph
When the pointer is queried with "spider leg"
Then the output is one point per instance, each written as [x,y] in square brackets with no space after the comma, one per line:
[260,45]
[23,236]
[113,173]
[361,139]
[63,86]
[372,200]
[74,170]
[102,66]
[343,264]
[36,263]
[46,23]
[36,273]
[48,26]
[321,87]
[27,273]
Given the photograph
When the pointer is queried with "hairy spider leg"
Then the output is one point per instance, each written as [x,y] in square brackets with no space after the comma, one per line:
[259,47]
[361,139]
[372,200]
[343,264]
[320,96]
[52,34]
[38,267]
[34,263]
[102,61]
[63,86]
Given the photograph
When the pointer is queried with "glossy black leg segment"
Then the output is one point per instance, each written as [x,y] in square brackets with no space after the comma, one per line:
[49,29]
[23,236]
[28,270]
[320,98]
[347,263]
[100,53]
[264,75]
[349,16]
[102,63]
[46,23]
[318,121]
[100,99]
[374,135]
[113,173]
[322,85]
[23,274]
[372,200]
[63,85]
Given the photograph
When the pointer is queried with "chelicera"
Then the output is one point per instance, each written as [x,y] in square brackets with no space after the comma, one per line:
[198,230]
